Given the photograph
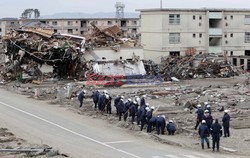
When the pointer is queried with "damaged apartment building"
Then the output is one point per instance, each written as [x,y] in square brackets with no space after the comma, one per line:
[225,32]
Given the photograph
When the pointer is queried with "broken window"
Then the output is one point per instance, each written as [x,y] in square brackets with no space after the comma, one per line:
[247,37]
[134,30]
[123,23]
[232,35]
[70,23]
[247,52]
[12,23]
[225,18]
[110,22]
[200,17]
[232,53]
[194,17]
[247,19]
[174,38]
[174,19]
[235,61]
[55,30]
[54,22]
[83,23]
[70,30]
[134,22]
[232,17]
[200,35]
[0,29]
[194,35]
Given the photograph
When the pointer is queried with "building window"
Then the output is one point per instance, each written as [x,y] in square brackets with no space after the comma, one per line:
[54,22]
[225,17]
[82,32]
[0,29]
[174,38]
[76,30]
[247,19]
[200,35]
[232,35]
[194,35]
[232,17]
[70,23]
[134,30]
[55,30]
[109,22]
[226,42]
[200,24]
[70,30]
[134,22]
[174,19]
[225,35]
[194,17]
[76,22]
[231,53]
[200,17]
[247,37]
[226,24]
[12,23]
[235,61]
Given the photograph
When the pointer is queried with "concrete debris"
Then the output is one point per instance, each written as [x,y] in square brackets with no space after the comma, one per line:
[188,67]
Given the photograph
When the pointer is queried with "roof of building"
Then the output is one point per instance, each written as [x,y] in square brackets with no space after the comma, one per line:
[88,19]
[36,24]
[8,19]
[196,9]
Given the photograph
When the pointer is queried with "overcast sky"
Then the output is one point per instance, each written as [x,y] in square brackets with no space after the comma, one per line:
[14,8]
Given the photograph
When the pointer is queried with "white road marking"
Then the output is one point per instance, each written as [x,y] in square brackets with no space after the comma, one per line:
[70,131]
[171,156]
[119,142]
[190,156]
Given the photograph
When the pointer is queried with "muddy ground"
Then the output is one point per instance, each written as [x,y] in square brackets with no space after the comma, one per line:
[9,141]
[173,100]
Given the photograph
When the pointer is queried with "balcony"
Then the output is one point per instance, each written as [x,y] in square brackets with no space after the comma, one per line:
[215,15]
[215,32]
[215,49]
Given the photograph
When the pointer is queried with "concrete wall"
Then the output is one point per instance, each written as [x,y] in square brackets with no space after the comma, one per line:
[125,53]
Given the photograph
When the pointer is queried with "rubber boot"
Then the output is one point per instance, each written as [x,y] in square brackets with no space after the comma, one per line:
[202,146]
[208,146]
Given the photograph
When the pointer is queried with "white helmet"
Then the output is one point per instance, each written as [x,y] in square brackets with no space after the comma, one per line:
[135,102]
[171,121]
[163,116]
[199,105]
[147,104]
[203,121]
[144,96]
[84,91]
[206,111]
[105,91]
[226,111]
[107,96]
[122,97]
[147,108]
[205,103]
[152,107]
[98,90]
[129,100]
[208,106]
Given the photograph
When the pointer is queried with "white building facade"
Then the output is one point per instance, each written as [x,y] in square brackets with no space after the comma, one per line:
[167,32]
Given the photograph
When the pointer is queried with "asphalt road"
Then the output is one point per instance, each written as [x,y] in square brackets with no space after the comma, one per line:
[81,136]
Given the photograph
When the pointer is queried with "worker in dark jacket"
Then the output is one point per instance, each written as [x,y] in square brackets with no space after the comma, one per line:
[208,107]
[127,106]
[132,110]
[81,96]
[143,102]
[120,108]
[152,123]
[226,125]
[143,116]
[160,124]
[204,133]
[95,97]
[171,128]
[116,101]
[101,101]
[216,131]
[208,118]
[150,113]
[109,108]
[200,113]
[141,109]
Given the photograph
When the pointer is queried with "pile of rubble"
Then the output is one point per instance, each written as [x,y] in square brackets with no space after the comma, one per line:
[37,54]
[188,67]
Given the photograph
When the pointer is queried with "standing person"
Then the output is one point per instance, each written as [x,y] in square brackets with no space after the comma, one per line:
[200,113]
[150,113]
[204,133]
[216,131]
[208,107]
[139,117]
[116,101]
[143,102]
[101,101]
[109,107]
[120,108]
[143,116]
[208,118]
[226,125]
[160,124]
[171,128]
[132,110]
[95,97]
[127,106]
[81,96]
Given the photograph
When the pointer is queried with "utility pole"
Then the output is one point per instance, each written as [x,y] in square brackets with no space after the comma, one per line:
[161,4]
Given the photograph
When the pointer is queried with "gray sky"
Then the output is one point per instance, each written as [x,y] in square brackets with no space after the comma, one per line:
[14,8]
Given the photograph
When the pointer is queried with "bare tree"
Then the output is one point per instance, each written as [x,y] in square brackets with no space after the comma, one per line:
[27,13]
